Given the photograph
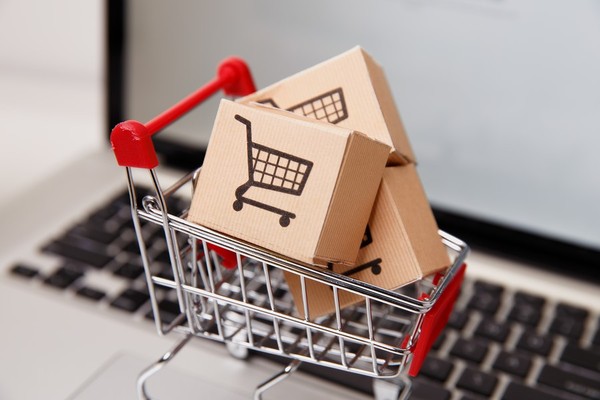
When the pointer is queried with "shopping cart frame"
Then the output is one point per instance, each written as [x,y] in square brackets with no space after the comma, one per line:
[221,304]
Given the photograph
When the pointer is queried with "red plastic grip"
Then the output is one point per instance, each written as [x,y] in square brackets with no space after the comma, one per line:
[435,321]
[132,141]
[132,144]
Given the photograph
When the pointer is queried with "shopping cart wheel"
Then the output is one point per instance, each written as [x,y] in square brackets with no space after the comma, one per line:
[238,204]
[284,220]
[237,351]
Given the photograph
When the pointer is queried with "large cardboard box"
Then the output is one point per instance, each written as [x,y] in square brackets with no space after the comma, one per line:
[349,90]
[401,245]
[299,187]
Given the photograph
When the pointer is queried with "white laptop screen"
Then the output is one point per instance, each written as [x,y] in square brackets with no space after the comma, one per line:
[500,98]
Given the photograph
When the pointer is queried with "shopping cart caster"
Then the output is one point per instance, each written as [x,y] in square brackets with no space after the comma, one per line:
[237,351]
[398,388]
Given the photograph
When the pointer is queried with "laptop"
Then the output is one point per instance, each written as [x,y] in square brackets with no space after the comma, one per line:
[499,100]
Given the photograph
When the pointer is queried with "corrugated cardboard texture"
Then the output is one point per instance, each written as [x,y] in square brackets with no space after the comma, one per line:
[227,200]
[417,218]
[349,90]
[401,244]
[354,196]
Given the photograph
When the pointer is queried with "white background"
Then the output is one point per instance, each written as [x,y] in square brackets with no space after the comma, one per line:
[51,80]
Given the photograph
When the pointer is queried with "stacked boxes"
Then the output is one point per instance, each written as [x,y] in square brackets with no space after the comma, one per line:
[303,166]
[288,183]
[349,90]
[400,245]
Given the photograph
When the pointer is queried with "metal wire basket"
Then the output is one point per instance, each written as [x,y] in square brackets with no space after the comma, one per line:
[232,292]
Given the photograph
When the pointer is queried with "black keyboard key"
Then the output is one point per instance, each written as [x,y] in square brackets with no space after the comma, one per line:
[469,349]
[517,391]
[573,312]
[526,314]
[91,293]
[534,343]
[132,247]
[515,364]
[566,325]
[122,224]
[130,300]
[24,271]
[458,319]
[585,358]
[129,271]
[63,277]
[279,292]
[94,232]
[570,381]
[439,341]
[596,338]
[166,272]
[104,214]
[488,287]
[80,254]
[477,381]
[423,390]
[168,309]
[436,368]
[349,345]
[262,289]
[486,302]
[490,329]
[163,257]
[535,301]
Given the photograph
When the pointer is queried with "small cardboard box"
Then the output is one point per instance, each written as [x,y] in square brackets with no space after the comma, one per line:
[299,187]
[349,90]
[401,245]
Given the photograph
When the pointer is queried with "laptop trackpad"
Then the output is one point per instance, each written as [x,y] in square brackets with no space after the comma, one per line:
[117,381]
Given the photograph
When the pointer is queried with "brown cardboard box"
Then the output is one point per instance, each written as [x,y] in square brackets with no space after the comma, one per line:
[314,195]
[401,244]
[349,90]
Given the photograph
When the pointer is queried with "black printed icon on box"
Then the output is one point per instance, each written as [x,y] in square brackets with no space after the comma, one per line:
[373,265]
[367,238]
[329,106]
[271,169]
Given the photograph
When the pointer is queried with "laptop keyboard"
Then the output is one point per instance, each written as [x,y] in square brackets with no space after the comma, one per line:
[498,344]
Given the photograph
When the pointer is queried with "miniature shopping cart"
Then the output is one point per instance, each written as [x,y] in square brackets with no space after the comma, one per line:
[329,106]
[271,169]
[232,292]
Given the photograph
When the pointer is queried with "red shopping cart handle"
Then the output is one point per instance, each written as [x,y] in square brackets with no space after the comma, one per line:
[435,320]
[132,140]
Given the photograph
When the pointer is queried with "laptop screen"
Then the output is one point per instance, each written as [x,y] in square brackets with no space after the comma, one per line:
[499,98]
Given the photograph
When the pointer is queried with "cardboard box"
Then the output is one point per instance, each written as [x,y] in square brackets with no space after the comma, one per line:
[401,244]
[349,90]
[299,187]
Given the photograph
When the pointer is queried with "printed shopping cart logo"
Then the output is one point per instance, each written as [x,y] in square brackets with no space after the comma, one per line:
[271,169]
[373,265]
[329,106]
